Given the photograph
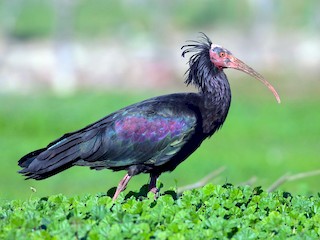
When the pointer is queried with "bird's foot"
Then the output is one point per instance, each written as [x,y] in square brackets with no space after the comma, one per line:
[152,185]
[155,191]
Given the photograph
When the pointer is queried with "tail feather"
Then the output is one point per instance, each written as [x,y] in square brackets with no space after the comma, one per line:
[27,159]
[49,161]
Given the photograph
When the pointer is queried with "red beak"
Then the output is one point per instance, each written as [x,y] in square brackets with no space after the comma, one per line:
[239,65]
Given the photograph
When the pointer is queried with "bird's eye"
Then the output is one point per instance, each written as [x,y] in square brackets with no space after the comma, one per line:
[222,54]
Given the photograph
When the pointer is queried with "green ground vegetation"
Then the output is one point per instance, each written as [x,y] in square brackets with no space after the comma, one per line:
[212,212]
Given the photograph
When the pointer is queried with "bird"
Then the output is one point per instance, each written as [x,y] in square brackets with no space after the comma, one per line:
[155,135]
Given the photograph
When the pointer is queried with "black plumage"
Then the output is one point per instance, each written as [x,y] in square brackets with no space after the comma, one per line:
[152,136]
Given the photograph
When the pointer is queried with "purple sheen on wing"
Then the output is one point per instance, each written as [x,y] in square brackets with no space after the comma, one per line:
[140,129]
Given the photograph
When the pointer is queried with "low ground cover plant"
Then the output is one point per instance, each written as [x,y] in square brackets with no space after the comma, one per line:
[211,212]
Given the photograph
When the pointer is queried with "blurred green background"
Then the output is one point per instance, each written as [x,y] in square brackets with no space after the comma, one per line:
[65,64]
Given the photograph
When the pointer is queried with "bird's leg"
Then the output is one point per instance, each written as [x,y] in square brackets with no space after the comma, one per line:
[121,186]
[153,184]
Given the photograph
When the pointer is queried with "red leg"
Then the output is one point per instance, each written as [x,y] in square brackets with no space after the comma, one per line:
[153,184]
[121,186]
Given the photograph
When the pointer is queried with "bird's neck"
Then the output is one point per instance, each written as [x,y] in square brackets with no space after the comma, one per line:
[217,98]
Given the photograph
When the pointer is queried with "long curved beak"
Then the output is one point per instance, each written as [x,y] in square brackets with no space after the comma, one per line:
[239,65]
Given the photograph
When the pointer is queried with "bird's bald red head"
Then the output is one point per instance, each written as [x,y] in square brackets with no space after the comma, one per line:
[223,58]
[220,56]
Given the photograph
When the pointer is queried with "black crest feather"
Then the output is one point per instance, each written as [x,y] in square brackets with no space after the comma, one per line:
[200,66]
